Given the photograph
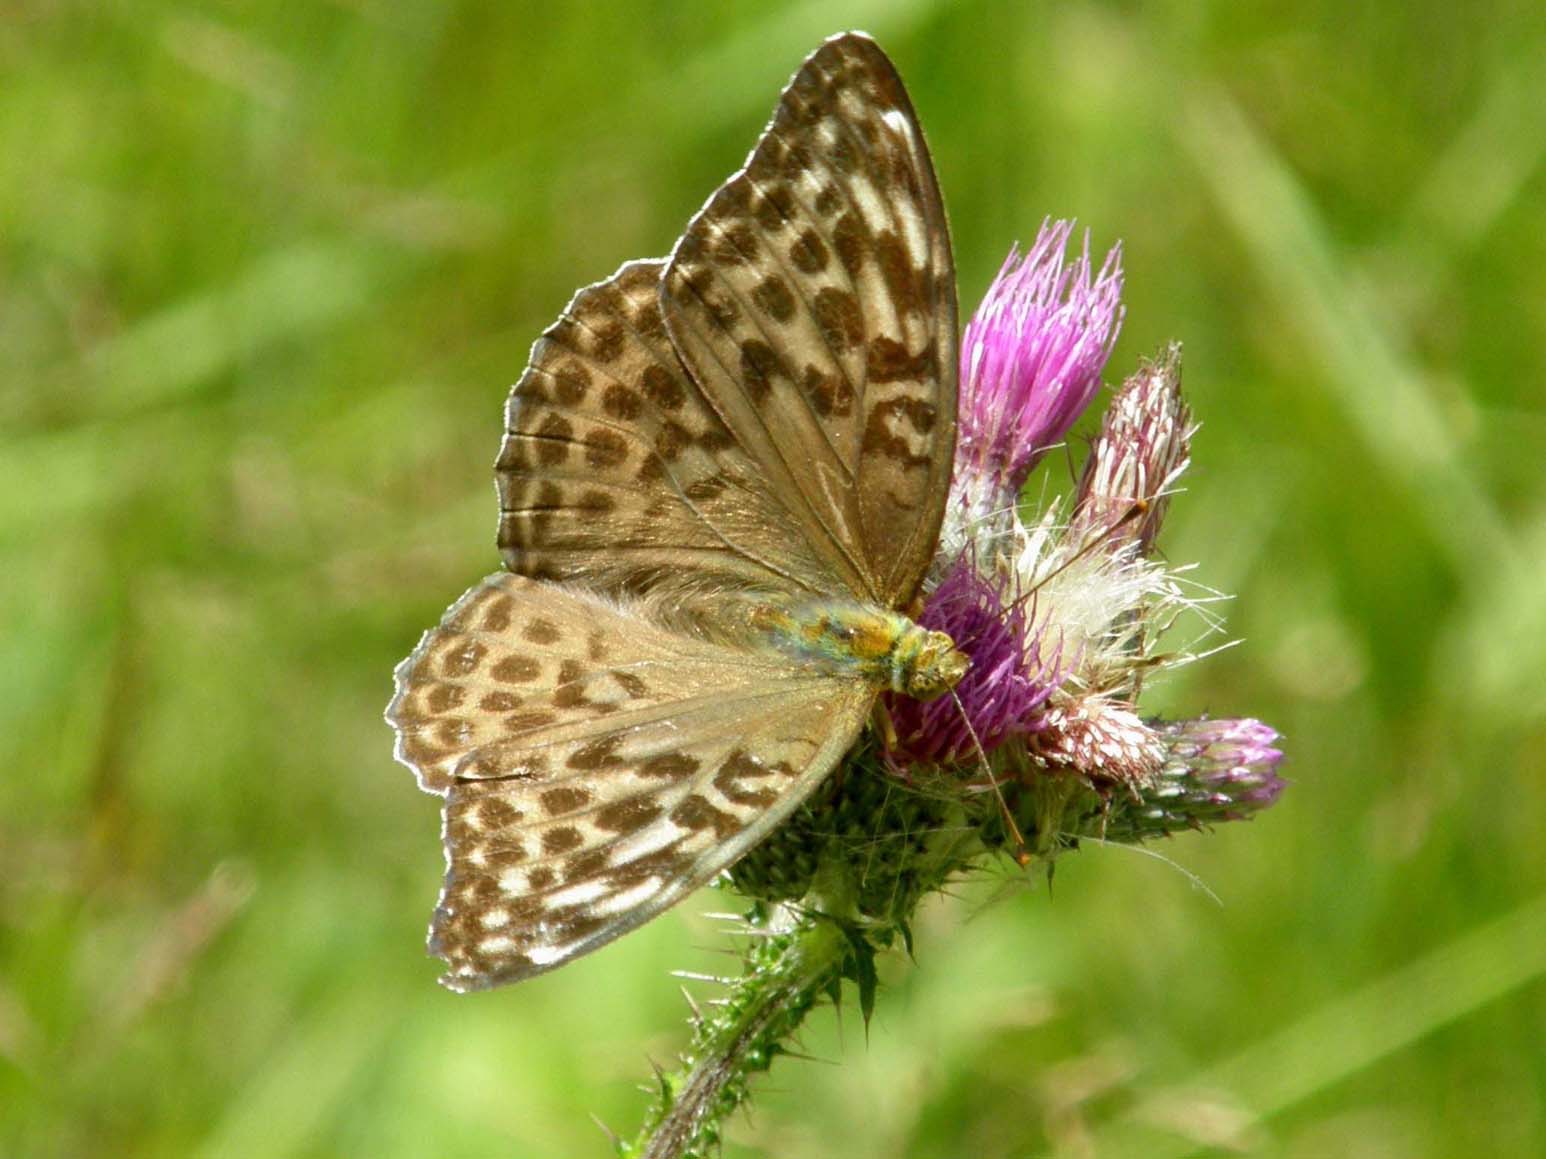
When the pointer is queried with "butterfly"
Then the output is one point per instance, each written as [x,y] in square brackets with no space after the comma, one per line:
[721,484]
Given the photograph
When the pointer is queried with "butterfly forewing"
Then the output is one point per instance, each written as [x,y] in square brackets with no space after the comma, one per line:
[616,471]
[813,300]
[597,767]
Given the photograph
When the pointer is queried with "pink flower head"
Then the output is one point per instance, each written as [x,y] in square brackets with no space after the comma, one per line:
[1032,355]
[1143,447]
[1012,673]
[1232,765]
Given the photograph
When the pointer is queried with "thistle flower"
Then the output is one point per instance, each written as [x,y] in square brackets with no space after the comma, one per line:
[1143,447]
[1099,738]
[1234,761]
[1060,615]
[1031,359]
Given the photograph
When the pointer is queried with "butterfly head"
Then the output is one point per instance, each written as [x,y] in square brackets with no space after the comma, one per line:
[926,664]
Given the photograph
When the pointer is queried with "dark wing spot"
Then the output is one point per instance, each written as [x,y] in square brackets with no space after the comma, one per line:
[889,361]
[774,299]
[850,241]
[841,321]
[595,502]
[555,432]
[716,438]
[499,702]
[651,468]
[494,813]
[529,720]
[564,799]
[576,922]
[666,862]
[570,694]
[842,155]
[463,659]
[420,752]
[782,198]
[561,840]
[829,394]
[672,440]
[725,249]
[512,457]
[608,340]
[496,615]
[628,816]
[648,321]
[669,766]
[604,448]
[445,697]
[880,436]
[478,889]
[758,366]
[797,162]
[620,402]
[585,866]
[662,388]
[896,268]
[573,380]
[744,239]
[697,812]
[733,778]
[453,732]
[732,202]
[458,832]
[516,670]
[808,253]
[599,754]
[540,631]
[631,683]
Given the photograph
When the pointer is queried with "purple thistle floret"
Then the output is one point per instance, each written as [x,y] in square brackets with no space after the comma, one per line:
[1013,671]
[1234,761]
[1032,355]
[1215,771]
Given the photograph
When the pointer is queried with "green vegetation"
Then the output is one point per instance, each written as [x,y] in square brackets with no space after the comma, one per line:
[266,272]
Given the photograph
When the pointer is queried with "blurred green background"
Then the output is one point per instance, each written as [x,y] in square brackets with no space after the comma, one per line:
[266,272]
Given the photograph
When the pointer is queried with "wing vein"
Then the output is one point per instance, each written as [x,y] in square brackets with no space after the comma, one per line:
[857,568]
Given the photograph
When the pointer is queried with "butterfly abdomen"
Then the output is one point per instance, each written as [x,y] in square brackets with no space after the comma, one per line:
[886,648]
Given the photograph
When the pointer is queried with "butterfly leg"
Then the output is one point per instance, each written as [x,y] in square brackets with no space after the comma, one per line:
[880,721]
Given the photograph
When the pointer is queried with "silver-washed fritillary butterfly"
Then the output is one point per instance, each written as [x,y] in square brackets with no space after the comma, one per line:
[722,477]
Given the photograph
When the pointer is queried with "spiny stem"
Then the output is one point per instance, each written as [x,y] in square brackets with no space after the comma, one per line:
[785,976]
[842,879]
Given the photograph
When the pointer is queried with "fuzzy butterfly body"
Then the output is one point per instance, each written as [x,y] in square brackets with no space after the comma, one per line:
[722,477]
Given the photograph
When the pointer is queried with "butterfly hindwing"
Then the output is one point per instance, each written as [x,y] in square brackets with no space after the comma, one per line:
[597,767]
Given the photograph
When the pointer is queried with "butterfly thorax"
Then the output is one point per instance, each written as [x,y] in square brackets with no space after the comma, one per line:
[884,647]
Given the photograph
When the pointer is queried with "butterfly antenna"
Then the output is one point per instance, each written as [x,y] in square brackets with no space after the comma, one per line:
[1022,852]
